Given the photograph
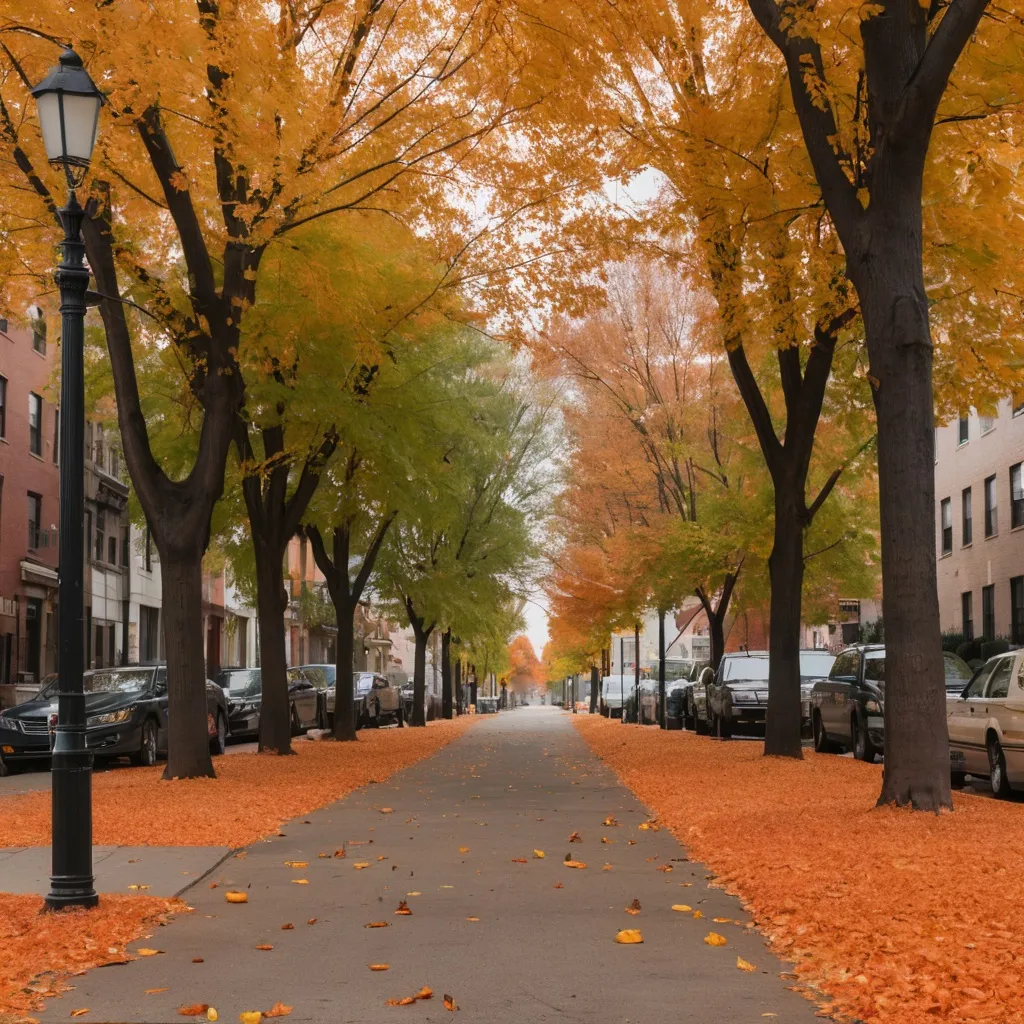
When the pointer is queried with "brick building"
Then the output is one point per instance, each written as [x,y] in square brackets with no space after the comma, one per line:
[29,485]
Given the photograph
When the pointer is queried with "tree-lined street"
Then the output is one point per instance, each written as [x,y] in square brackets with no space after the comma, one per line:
[506,933]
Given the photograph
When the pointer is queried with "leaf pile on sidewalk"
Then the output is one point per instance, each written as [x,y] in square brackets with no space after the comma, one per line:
[252,795]
[896,917]
[41,951]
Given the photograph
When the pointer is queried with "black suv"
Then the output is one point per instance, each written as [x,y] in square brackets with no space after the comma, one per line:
[126,716]
[848,708]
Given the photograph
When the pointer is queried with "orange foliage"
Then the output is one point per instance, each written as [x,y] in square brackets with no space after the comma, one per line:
[252,795]
[524,665]
[872,905]
[65,944]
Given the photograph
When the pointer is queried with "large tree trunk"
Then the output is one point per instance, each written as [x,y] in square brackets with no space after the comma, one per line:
[271,602]
[661,669]
[344,700]
[899,345]
[446,673]
[786,570]
[458,685]
[595,685]
[188,746]
[419,679]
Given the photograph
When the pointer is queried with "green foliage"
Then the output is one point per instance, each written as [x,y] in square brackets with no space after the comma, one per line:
[969,650]
[990,648]
[951,641]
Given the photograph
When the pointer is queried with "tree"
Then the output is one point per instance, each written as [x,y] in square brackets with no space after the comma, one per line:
[460,558]
[524,665]
[281,115]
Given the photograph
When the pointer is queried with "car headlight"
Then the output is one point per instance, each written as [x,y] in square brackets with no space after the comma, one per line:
[9,723]
[873,707]
[111,717]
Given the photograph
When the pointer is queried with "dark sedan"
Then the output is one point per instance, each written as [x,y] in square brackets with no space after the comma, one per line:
[126,716]
[737,698]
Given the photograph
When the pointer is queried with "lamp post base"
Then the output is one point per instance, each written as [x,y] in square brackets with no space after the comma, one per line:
[72,882]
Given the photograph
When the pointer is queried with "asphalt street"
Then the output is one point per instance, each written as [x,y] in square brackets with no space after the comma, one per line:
[510,935]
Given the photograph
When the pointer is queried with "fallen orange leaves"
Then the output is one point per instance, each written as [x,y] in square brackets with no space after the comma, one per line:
[869,903]
[252,796]
[65,943]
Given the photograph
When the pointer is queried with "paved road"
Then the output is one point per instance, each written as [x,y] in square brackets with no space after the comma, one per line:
[511,936]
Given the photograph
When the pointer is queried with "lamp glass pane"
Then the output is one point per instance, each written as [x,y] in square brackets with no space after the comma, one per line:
[80,121]
[49,119]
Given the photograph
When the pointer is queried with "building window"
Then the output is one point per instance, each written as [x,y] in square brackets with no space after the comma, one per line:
[125,549]
[988,423]
[968,522]
[1017,610]
[967,612]
[991,522]
[1018,406]
[964,433]
[111,649]
[35,518]
[56,436]
[100,531]
[99,647]
[39,335]
[149,549]
[988,612]
[3,325]
[3,406]
[946,518]
[1016,497]
[112,549]
[35,424]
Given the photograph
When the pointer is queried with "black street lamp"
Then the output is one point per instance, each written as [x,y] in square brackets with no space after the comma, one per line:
[69,109]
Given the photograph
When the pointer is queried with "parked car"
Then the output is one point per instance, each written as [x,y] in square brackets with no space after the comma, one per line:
[986,725]
[612,695]
[679,697]
[847,708]
[648,702]
[321,678]
[736,696]
[126,716]
[243,688]
[378,700]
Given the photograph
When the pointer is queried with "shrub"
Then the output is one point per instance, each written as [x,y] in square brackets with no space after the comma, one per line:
[951,641]
[969,650]
[991,648]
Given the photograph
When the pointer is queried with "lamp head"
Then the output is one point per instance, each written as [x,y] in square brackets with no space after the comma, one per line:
[69,112]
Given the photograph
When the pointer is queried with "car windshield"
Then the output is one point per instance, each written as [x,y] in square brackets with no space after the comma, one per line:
[318,675]
[245,682]
[121,680]
[363,683]
[743,669]
[815,664]
[958,672]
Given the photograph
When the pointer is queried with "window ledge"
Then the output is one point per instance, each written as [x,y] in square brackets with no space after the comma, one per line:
[945,554]
[1017,529]
[992,536]
[39,457]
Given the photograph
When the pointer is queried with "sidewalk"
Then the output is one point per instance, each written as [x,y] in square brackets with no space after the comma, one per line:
[153,870]
[510,935]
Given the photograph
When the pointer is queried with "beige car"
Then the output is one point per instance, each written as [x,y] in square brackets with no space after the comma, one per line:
[986,725]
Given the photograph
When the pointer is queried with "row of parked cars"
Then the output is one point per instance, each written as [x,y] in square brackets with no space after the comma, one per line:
[126,710]
[843,702]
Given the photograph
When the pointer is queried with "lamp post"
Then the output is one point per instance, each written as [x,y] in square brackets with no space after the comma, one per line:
[69,109]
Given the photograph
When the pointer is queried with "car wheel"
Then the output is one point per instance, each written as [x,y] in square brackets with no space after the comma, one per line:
[822,744]
[375,723]
[321,715]
[219,742]
[863,750]
[701,726]
[957,780]
[146,756]
[997,770]
[400,717]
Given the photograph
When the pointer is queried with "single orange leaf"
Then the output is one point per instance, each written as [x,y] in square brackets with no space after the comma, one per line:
[278,1010]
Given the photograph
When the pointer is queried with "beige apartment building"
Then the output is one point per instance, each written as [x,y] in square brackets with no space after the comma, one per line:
[979,490]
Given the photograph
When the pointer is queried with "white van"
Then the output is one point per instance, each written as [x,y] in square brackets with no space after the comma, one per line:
[612,695]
